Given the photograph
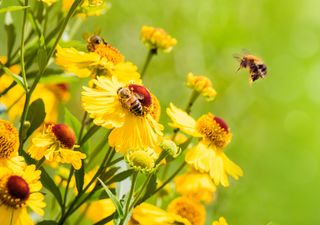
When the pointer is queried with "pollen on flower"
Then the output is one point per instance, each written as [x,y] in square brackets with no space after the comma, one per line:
[189,209]
[9,139]
[214,129]
[64,134]
[99,46]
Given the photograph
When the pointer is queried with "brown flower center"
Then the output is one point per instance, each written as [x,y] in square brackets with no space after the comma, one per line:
[64,134]
[14,191]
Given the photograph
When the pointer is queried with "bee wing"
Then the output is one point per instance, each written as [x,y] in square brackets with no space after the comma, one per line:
[139,96]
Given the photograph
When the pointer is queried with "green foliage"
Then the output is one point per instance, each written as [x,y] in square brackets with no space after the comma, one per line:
[36,115]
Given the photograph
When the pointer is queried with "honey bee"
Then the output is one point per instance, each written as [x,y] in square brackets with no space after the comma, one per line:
[93,41]
[131,101]
[257,69]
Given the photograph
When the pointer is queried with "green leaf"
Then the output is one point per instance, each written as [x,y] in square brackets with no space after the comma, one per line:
[59,78]
[36,115]
[11,34]
[49,184]
[105,220]
[120,176]
[79,174]
[14,76]
[13,8]
[113,198]
[72,121]
[47,222]
[151,187]
[42,54]
[110,172]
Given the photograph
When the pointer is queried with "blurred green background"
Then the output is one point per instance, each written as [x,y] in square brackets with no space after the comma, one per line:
[275,122]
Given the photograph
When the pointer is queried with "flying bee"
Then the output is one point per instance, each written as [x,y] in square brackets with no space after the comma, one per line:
[131,100]
[94,41]
[257,69]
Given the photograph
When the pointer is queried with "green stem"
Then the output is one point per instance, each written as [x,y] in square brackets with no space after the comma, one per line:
[164,183]
[127,209]
[148,59]
[145,184]
[92,130]
[22,63]
[37,79]
[67,189]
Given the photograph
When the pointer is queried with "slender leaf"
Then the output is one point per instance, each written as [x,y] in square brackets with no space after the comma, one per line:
[120,176]
[72,121]
[14,76]
[79,174]
[13,8]
[47,222]
[36,115]
[49,184]
[114,199]
[105,220]
[110,172]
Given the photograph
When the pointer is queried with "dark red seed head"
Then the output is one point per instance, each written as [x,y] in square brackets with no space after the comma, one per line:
[18,187]
[64,134]
[221,123]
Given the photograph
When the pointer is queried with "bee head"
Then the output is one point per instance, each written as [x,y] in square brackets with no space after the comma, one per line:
[124,93]
[95,39]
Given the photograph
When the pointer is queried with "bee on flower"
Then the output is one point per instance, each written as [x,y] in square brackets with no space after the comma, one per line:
[157,39]
[127,110]
[20,190]
[102,59]
[56,143]
[208,155]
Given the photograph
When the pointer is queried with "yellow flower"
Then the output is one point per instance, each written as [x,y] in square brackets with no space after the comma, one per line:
[51,95]
[213,161]
[189,209]
[207,156]
[9,144]
[157,39]
[198,186]
[92,64]
[49,2]
[126,109]
[141,160]
[147,214]
[97,210]
[56,143]
[20,190]
[221,221]
[88,7]
[202,85]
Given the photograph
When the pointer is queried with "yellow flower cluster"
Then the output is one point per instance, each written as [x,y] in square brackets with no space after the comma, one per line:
[202,85]
[157,39]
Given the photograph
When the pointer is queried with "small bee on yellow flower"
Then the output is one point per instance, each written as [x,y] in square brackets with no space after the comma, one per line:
[111,104]
[208,155]
[56,143]
[20,190]
[157,39]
